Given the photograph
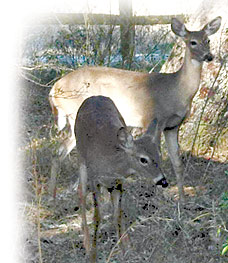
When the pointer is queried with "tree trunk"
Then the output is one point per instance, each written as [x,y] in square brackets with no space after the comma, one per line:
[127,32]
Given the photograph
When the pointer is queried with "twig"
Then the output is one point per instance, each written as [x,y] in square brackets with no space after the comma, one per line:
[33,81]
[38,199]
[200,216]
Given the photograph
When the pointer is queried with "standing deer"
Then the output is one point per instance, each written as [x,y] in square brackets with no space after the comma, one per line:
[107,155]
[140,97]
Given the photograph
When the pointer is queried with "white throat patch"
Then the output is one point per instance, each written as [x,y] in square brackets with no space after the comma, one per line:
[195,63]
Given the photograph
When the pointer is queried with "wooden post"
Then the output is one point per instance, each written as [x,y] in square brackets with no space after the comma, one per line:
[127,32]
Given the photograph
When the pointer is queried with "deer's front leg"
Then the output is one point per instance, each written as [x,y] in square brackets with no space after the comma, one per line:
[96,222]
[171,138]
[116,197]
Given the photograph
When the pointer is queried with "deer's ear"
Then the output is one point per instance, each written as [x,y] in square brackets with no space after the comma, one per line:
[213,26]
[178,28]
[124,138]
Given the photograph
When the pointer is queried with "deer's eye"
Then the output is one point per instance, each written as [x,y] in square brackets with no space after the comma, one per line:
[143,160]
[208,41]
[193,43]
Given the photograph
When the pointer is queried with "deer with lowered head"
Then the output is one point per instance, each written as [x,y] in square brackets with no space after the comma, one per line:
[140,97]
[107,156]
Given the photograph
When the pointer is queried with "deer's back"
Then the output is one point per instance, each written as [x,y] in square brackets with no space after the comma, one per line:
[97,123]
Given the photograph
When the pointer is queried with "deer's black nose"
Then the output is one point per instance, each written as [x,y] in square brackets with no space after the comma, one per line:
[208,57]
[162,182]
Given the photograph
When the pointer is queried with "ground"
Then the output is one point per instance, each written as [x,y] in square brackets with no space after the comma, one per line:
[159,227]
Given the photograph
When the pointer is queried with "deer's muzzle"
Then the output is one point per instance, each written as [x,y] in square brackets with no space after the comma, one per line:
[161,180]
[208,58]
[163,183]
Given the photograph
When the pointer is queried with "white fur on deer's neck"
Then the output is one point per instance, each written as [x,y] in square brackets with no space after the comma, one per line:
[195,63]
[189,76]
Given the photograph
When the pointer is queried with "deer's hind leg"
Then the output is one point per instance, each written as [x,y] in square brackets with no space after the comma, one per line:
[82,189]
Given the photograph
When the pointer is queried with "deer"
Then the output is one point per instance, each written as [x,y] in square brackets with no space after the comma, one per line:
[140,97]
[108,155]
